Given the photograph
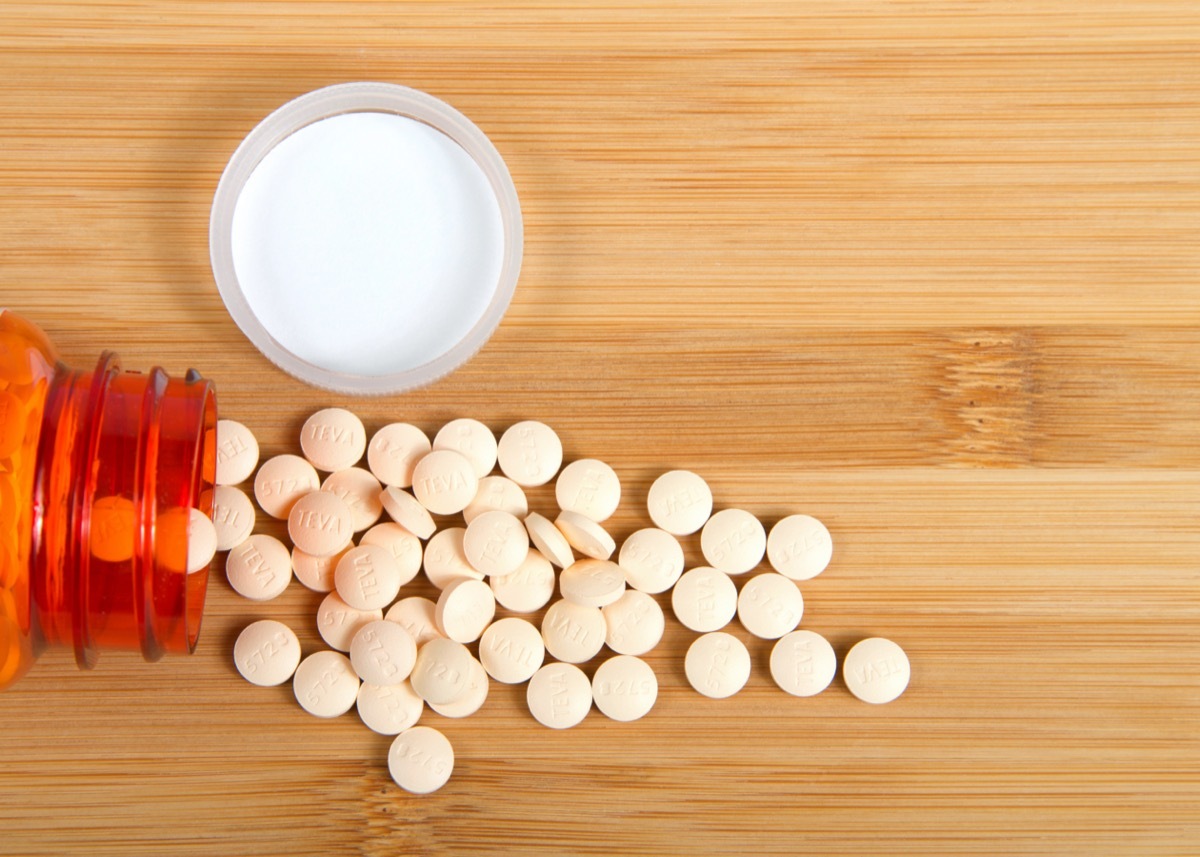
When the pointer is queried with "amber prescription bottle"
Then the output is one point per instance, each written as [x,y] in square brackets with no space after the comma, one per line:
[98,473]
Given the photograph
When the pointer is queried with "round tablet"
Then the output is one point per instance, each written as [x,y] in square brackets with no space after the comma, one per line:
[471,439]
[585,535]
[464,609]
[589,487]
[444,482]
[770,606]
[652,560]
[799,547]
[360,491]
[733,541]
[416,615]
[404,547]
[404,509]
[717,665]
[113,529]
[573,633]
[527,589]
[511,650]
[394,451]
[704,599]
[592,582]
[316,572]
[442,671]
[625,688]
[530,453]
[333,439]
[325,684]
[389,709]
[367,577]
[266,653]
[281,481]
[445,559]
[876,670]
[803,663]
[473,697]
[635,623]
[497,493]
[202,541]
[495,543]
[383,653]
[233,516]
[338,622]
[420,760]
[320,524]
[237,452]
[260,568]
[559,695]
[679,502]
[549,540]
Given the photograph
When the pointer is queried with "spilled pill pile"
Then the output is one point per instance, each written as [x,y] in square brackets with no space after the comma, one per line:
[361,535]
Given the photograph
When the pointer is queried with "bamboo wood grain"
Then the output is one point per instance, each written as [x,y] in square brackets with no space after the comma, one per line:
[926,270]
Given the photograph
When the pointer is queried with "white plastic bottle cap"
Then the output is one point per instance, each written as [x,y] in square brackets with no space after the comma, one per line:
[876,670]
[366,237]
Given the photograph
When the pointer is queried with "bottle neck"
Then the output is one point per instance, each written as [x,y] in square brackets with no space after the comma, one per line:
[122,458]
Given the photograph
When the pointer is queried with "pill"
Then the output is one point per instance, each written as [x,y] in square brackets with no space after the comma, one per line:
[590,488]
[112,528]
[416,615]
[652,560]
[442,671]
[876,670]
[320,524]
[260,568]
[394,451]
[530,453]
[592,582]
[704,599]
[770,606]
[573,633]
[266,653]
[316,572]
[473,697]
[201,541]
[799,547]
[404,547]
[717,665]
[446,560]
[12,423]
[338,622]
[389,709]
[549,540]
[333,439]
[733,541]
[281,481]
[803,663]
[237,452]
[367,578]
[472,440]
[444,482]
[511,650]
[634,623]
[527,589]
[232,515]
[404,509]
[497,493]
[679,502]
[495,542]
[624,688]
[559,695]
[464,609]
[325,684]
[420,760]
[360,491]
[382,652]
[585,535]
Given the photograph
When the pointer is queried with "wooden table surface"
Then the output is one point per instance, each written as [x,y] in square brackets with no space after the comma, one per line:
[925,270]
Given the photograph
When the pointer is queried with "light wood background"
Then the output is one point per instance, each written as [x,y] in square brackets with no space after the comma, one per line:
[926,270]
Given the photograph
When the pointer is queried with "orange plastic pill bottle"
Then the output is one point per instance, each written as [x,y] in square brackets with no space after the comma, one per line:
[98,472]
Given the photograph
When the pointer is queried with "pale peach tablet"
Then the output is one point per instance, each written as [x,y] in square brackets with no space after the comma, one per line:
[383,653]
[202,541]
[260,568]
[495,543]
[325,684]
[338,622]
[404,547]
[679,502]
[717,665]
[316,572]
[464,609]
[559,695]
[585,535]
[404,509]
[237,452]
[530,453]
[876,670]
[803,663]
[625,688]
[359,490]
[511,650]
[471,700]
[497,493]
[549,540]
[652,560]
[420,760]
[471,439]
[704,599]
[320,524]
[281,481]
[233,516]
[635,623]
[389,709]
[442,672]
[333,439]
[445,559]
[444,482]
[592,582]
[588,487]
[733,541]
[527,589]
[799,547]
[113,529]
[266,653]
[367,578]
[394,451]
[573,633]
[770,606]
[416,615]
